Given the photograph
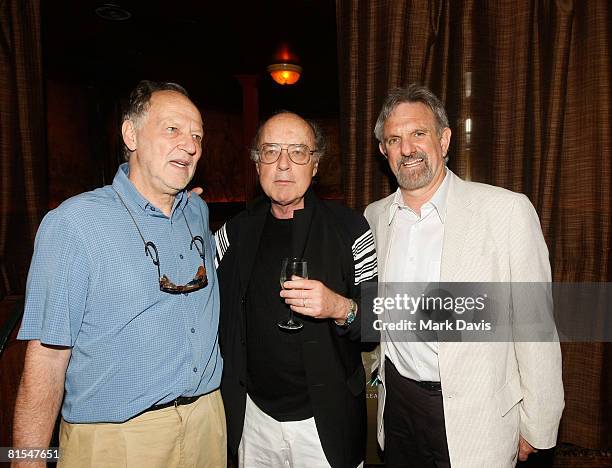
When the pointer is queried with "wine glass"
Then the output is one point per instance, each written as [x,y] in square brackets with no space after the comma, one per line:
[292,267]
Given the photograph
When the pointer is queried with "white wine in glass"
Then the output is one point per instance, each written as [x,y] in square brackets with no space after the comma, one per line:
[292,267]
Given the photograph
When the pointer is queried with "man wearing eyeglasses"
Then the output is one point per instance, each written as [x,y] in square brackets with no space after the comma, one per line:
[293,398]
[122,308]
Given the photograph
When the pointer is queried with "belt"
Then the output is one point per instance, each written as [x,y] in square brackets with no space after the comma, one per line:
[431,386]
[180,401]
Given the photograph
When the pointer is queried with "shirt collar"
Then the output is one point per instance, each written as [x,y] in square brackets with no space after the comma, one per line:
[132,197]
[438,200]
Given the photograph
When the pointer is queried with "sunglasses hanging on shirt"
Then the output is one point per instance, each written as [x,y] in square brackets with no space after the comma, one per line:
[199,280]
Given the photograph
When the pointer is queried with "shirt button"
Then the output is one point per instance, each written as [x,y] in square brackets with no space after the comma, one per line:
[195,369]
[152,208]
[193,330]
[181,256]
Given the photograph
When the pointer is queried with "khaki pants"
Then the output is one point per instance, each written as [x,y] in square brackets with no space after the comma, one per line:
[175,437]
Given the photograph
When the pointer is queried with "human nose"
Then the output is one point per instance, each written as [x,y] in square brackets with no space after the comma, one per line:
[407,147]
[283,160]
[188,144]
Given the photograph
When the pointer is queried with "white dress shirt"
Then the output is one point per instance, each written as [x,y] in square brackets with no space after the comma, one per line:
[415,254]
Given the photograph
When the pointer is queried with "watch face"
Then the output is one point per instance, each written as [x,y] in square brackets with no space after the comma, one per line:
[351,314]
[350,317]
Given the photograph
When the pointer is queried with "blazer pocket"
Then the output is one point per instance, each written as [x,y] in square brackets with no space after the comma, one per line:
[509,395]
[356,382]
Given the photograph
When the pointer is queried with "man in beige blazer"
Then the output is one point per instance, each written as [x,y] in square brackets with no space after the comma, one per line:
[478,404]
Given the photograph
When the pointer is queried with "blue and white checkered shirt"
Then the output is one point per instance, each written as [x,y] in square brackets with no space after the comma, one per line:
[91,287]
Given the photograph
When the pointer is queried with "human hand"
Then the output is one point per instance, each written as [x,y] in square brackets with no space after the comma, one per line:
[313,298]
[195,191]
[525,449]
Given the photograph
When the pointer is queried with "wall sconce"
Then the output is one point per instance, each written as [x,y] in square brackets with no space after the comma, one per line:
[285,73]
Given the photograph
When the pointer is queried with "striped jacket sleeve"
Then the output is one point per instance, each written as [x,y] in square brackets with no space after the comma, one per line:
[222,242]
[364,257]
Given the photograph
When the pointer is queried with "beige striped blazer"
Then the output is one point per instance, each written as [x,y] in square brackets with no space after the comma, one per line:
[492,392]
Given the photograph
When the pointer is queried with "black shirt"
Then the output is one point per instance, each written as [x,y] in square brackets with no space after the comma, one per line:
[276,375]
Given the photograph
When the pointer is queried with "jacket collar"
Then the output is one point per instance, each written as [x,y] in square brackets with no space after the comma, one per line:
[257,211]
[438,201]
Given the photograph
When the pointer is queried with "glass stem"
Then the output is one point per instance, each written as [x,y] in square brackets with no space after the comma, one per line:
[290,315]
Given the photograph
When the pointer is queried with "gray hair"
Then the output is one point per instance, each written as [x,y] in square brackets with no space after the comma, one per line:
[140,101]
[412,93]
[320,143]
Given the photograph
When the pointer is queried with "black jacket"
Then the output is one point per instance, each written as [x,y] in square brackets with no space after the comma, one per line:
[333,239]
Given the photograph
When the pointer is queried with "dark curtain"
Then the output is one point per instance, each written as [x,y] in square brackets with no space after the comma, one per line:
[527,86]
[22,140]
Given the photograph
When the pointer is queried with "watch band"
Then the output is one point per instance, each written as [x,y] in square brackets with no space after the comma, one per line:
[350,315]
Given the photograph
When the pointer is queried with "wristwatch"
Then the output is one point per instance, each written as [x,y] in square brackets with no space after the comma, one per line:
[350,315]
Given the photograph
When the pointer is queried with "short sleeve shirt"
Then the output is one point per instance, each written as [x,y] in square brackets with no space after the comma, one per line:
[92,287]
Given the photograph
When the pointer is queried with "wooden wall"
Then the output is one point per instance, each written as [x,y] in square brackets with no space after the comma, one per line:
[84,147]
[11,366]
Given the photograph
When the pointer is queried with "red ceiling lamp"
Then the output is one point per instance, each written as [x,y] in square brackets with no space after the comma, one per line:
[286,69]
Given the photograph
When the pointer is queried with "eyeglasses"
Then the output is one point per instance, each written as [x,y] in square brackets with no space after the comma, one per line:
[200,279]
[299,154]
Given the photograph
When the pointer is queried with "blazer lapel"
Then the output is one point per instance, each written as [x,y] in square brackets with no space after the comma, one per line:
[383,235]
[301,226]
[456,227]
[250,236]
[457,223]
[309,228]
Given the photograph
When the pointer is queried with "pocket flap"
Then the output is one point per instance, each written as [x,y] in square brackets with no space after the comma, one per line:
[509,395]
